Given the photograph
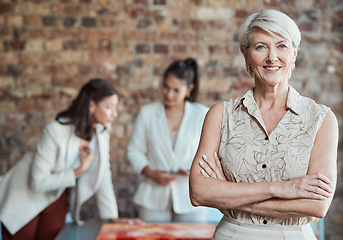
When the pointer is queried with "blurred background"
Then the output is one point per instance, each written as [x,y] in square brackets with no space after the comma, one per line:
[48,49]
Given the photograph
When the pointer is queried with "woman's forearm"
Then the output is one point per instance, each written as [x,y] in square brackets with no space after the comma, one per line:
[281,208]
[210,192]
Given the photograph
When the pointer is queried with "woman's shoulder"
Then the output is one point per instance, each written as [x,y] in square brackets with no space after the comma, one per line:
[153,106]
[58,127]
[198,107]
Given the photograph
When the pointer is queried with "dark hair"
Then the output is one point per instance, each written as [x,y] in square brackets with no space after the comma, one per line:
[78,112]
[187,71]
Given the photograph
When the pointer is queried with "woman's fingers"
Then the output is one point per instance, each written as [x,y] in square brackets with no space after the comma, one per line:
[216,158]
[320,185]
[313,186]
[210,168]
[204,173]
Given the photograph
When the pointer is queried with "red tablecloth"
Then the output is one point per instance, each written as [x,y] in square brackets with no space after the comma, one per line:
[158,231]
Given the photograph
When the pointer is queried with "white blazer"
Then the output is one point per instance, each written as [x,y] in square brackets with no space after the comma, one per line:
[151,145]
[40,178]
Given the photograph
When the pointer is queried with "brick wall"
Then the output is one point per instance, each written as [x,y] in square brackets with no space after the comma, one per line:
[49,48]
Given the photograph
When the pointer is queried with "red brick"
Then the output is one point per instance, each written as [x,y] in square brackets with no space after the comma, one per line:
[33,81]
[123,48]
[142,48]
[197,2]
[140,36]
[5,8]
[68,70]
[75,9]
[15,21]
[180,49]
[85,69]
[243,84]
[2,21]
[141,1]
[198,25]
[30,58]
[89,22]
[72,57]
[108,22]
[32,20]
[9,57]
[177,36]
[241,13]
[216,25]
[50,69]
[215,49]
[6,82]
[161,48]
[34,105]
[105,45]
[136,11]
[49,21]
[17,44]
[104,34]
[269,3]
[38,33]
[160,2]
[74,82]
[7,106]
[15,117]
[198,50]
[306,26]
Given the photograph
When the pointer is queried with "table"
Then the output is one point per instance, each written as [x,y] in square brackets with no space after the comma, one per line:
[87,231]
[157,231]
[147,231]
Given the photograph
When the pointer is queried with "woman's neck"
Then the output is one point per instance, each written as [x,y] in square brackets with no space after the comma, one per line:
[269,97]
[176,108]
[174,116]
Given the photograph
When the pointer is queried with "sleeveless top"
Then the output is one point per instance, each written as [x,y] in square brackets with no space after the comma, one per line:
[250,155]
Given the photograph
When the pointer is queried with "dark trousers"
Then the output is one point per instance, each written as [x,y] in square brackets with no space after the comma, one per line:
[44,226]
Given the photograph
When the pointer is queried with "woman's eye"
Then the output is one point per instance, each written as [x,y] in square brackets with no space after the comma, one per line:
[260,47]
[282,46]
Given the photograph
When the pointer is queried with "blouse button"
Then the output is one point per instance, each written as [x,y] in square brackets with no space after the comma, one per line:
[265,221]
[264,166]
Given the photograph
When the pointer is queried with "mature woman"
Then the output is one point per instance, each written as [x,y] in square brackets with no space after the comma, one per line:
[69,165]
[277,149]
[163,145]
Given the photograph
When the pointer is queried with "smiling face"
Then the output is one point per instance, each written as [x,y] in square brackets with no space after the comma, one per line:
[270,56]
[105,111]
[174,91]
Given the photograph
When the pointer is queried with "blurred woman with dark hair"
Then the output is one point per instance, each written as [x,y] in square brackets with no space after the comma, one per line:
[70,165]
[163,144]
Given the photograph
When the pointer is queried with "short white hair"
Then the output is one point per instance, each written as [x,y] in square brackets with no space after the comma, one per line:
[271,21]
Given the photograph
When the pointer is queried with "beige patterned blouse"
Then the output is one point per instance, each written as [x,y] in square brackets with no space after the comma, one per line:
[249,154]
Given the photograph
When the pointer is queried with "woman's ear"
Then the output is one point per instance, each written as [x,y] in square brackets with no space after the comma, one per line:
[244,51]
[295,54]
[189,89]
[92,106]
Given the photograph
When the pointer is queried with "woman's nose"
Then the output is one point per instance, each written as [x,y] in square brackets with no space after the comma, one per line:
[169,94]
[114,114]
[272,55]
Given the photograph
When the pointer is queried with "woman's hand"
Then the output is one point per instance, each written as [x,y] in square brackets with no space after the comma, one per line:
[86,159]
[163,178]
[312,186]
[212,167]
[183,172]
